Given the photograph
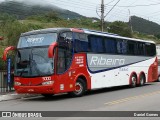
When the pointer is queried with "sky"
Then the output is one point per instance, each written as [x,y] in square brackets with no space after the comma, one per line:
[147,9]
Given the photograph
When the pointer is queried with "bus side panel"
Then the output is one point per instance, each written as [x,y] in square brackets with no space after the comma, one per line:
[153,71]
[104,76]
[65,82]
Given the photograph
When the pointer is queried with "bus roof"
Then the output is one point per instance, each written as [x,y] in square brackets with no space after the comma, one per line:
[81,30]
[47,30]
[114,36]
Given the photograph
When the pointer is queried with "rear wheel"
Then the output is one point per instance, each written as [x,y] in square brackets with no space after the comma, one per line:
[47,95]
[158,79]
[133,81]
[142,80]
[80,88]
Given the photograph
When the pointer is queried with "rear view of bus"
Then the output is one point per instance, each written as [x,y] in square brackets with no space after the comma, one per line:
[67,60]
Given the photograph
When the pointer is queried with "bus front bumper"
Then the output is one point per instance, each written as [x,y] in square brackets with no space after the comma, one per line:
[34,89]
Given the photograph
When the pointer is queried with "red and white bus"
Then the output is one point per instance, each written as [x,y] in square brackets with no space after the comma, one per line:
[70,60]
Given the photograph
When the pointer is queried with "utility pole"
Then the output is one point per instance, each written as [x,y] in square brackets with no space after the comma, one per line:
[130,21]
[102,15]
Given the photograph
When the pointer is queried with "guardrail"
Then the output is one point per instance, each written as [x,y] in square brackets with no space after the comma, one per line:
[6,87]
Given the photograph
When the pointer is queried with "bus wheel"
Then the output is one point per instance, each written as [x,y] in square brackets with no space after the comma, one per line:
[142,80]
[158,79]
[80,88]
[133,81]
[47,95]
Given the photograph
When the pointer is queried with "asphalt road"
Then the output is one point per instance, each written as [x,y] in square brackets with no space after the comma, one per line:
[146,98]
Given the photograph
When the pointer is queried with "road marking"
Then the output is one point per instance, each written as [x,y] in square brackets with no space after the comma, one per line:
[131,98]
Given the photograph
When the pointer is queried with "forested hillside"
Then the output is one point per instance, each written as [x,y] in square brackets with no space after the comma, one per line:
[22,10]
[144,26]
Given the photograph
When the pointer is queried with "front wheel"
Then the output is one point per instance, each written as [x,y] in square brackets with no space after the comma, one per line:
[80,88]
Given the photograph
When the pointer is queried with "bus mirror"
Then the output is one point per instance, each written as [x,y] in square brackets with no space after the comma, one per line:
[51,48]
[6,52]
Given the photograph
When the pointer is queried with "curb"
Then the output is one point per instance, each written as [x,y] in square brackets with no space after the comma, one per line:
[14,96]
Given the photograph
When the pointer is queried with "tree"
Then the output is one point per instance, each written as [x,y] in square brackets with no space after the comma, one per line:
[120,28]
[157,35]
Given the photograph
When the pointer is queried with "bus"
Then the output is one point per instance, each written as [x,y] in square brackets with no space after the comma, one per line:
[72,60]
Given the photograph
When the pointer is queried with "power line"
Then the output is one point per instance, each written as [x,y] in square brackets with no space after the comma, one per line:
[136,5]
[82,3]
[110,2]
[73,5]
[78,4]
[112,7]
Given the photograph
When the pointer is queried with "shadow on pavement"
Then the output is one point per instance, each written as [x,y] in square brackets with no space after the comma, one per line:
[64,96]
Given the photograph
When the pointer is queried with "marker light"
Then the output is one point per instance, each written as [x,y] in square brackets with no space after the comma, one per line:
[17,83]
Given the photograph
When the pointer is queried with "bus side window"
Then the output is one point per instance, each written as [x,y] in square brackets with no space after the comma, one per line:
[140,48]
[96,44]
[110,45]
[81,43]
[121,46]
[131,48]
[65,51]
[150,49]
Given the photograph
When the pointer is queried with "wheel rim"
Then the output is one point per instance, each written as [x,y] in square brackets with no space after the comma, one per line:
[134,81]
[78,88]
[142,81]
[159,78]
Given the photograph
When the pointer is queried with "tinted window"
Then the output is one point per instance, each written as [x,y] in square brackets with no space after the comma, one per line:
[81,43]
[65,50]
[121,46]
[140,48]
[150,49]
[96,44]
[65,40]
[131,48]
[110,45]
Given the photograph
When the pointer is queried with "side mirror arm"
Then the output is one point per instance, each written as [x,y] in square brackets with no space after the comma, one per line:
[51,48]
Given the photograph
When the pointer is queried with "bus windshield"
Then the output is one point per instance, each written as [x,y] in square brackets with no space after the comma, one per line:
[32,55]
[37,40]
[33,62]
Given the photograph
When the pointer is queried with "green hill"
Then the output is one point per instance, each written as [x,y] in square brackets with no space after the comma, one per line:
[144,26]
[22,10]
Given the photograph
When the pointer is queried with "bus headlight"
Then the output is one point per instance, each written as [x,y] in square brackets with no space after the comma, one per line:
[17,83]
[48,83]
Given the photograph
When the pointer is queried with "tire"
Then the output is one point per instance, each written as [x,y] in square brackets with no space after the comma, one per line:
[133,81]
[158,79]
[142,80]
[80,88]
[47,95]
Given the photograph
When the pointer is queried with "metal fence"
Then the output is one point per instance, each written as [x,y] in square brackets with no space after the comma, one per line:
[5,86]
